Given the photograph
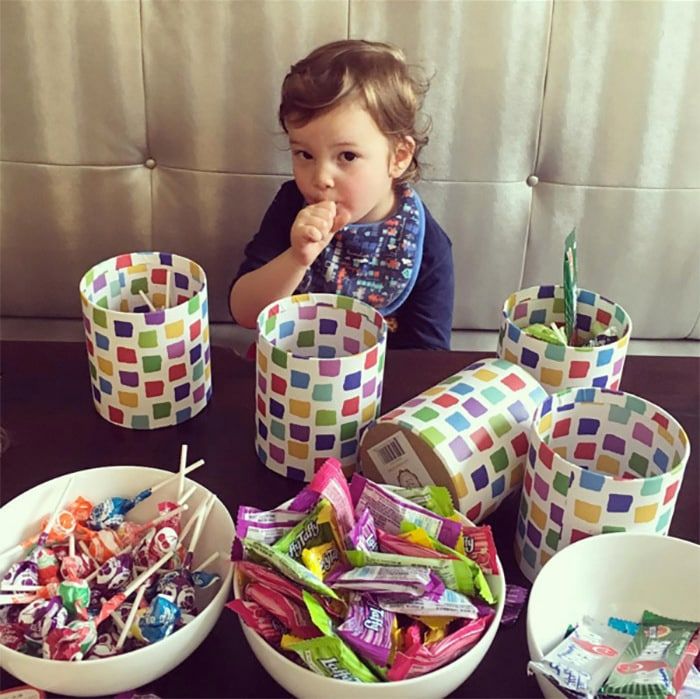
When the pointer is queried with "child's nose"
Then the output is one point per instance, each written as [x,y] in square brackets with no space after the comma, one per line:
[323,176]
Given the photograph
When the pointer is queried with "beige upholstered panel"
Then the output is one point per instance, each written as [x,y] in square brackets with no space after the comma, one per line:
[71,85]
[213,72]
[626,250]
[57,222]
[137,124]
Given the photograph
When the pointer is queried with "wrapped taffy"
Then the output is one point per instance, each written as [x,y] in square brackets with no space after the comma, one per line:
[92,583]
[363,582]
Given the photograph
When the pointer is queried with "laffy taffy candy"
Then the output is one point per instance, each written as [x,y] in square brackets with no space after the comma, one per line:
[319,527]
[369,629]
[390,511]
[290,614]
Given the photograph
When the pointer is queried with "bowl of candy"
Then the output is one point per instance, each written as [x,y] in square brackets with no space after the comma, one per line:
[111,577]
[616,615]
[357,582]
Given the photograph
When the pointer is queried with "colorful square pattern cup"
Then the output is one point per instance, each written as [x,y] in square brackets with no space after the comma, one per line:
[557,367]
[148,369]
[599,461]
[320,365]
[469,433]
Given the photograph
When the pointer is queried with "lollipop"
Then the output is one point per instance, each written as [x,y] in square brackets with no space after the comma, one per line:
[110,513]
[178,585]
[43,535]
[570,286]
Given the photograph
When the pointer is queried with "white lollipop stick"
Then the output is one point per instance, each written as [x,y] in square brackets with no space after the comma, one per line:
[147,300]
[9,587]
[167,288]
[187,495]
[208,562]
[170,479]
[71,545]
[132,615]
[18,599]
[47,528]
[183,465]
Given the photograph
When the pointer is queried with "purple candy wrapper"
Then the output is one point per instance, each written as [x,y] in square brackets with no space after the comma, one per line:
[516,597]
[367,628]
[363,536]
[389,511]
[410,581]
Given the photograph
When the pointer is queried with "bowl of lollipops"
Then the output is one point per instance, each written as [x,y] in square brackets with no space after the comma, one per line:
[363,590]
[111,577]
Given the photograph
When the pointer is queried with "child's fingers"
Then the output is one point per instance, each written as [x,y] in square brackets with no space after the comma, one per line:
[341,219]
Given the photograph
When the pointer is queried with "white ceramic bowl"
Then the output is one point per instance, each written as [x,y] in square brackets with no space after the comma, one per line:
[18,519]
[302,682]
[611,575]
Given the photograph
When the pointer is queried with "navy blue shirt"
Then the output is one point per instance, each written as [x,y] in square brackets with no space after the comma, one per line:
[423,321]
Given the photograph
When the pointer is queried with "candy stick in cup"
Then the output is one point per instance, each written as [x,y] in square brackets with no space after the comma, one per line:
[570,286]
[147,300]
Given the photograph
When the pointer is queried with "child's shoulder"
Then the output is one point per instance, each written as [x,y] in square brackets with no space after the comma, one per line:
[436,240]
[289,197]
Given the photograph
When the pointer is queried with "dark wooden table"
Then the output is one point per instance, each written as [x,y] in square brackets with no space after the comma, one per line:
[53,428]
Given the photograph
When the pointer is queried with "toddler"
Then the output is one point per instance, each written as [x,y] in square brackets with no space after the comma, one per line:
[350,222]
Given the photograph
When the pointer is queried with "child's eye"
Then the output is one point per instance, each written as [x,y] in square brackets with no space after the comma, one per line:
[302,154]
[348,156]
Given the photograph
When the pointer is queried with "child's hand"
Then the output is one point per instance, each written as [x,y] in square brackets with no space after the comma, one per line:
[313,229]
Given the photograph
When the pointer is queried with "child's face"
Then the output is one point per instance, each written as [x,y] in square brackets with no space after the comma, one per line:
[342,156]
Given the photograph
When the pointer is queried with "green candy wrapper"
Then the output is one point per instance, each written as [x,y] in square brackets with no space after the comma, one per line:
[570,286]
[313,530]
[647,666]
[463,576]
[541,332]
[329,655]
[257,551]
[435,498]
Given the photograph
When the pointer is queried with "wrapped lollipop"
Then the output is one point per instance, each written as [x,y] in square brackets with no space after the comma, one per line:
[178,585]
[74,641]
[110,513]
[39,548]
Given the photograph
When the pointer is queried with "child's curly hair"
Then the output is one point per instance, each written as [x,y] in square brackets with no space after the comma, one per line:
[374,72]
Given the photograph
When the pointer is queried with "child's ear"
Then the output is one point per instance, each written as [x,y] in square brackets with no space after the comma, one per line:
[402,156]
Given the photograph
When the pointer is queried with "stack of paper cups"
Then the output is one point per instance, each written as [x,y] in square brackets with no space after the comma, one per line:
[599,461]
[148,368]
[320,364]
[468,433]
[558,367]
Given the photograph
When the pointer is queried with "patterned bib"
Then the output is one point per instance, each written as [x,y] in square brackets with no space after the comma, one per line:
[377,263]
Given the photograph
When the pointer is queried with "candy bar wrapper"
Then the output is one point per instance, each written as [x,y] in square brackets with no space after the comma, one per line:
[419,659]
[477,543]
[268,526]
[257,573]
[390,510]
[624,625]
[404,545]
[411,581]
[287,566]
[462,576]
[647,667]
[329,655]
[582,661]
[435,498]
[317,528]
[291,615]
[516,596]
[446,604]
[258,619]
[363,535]
[323,559]
[330,484]
[368,629]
